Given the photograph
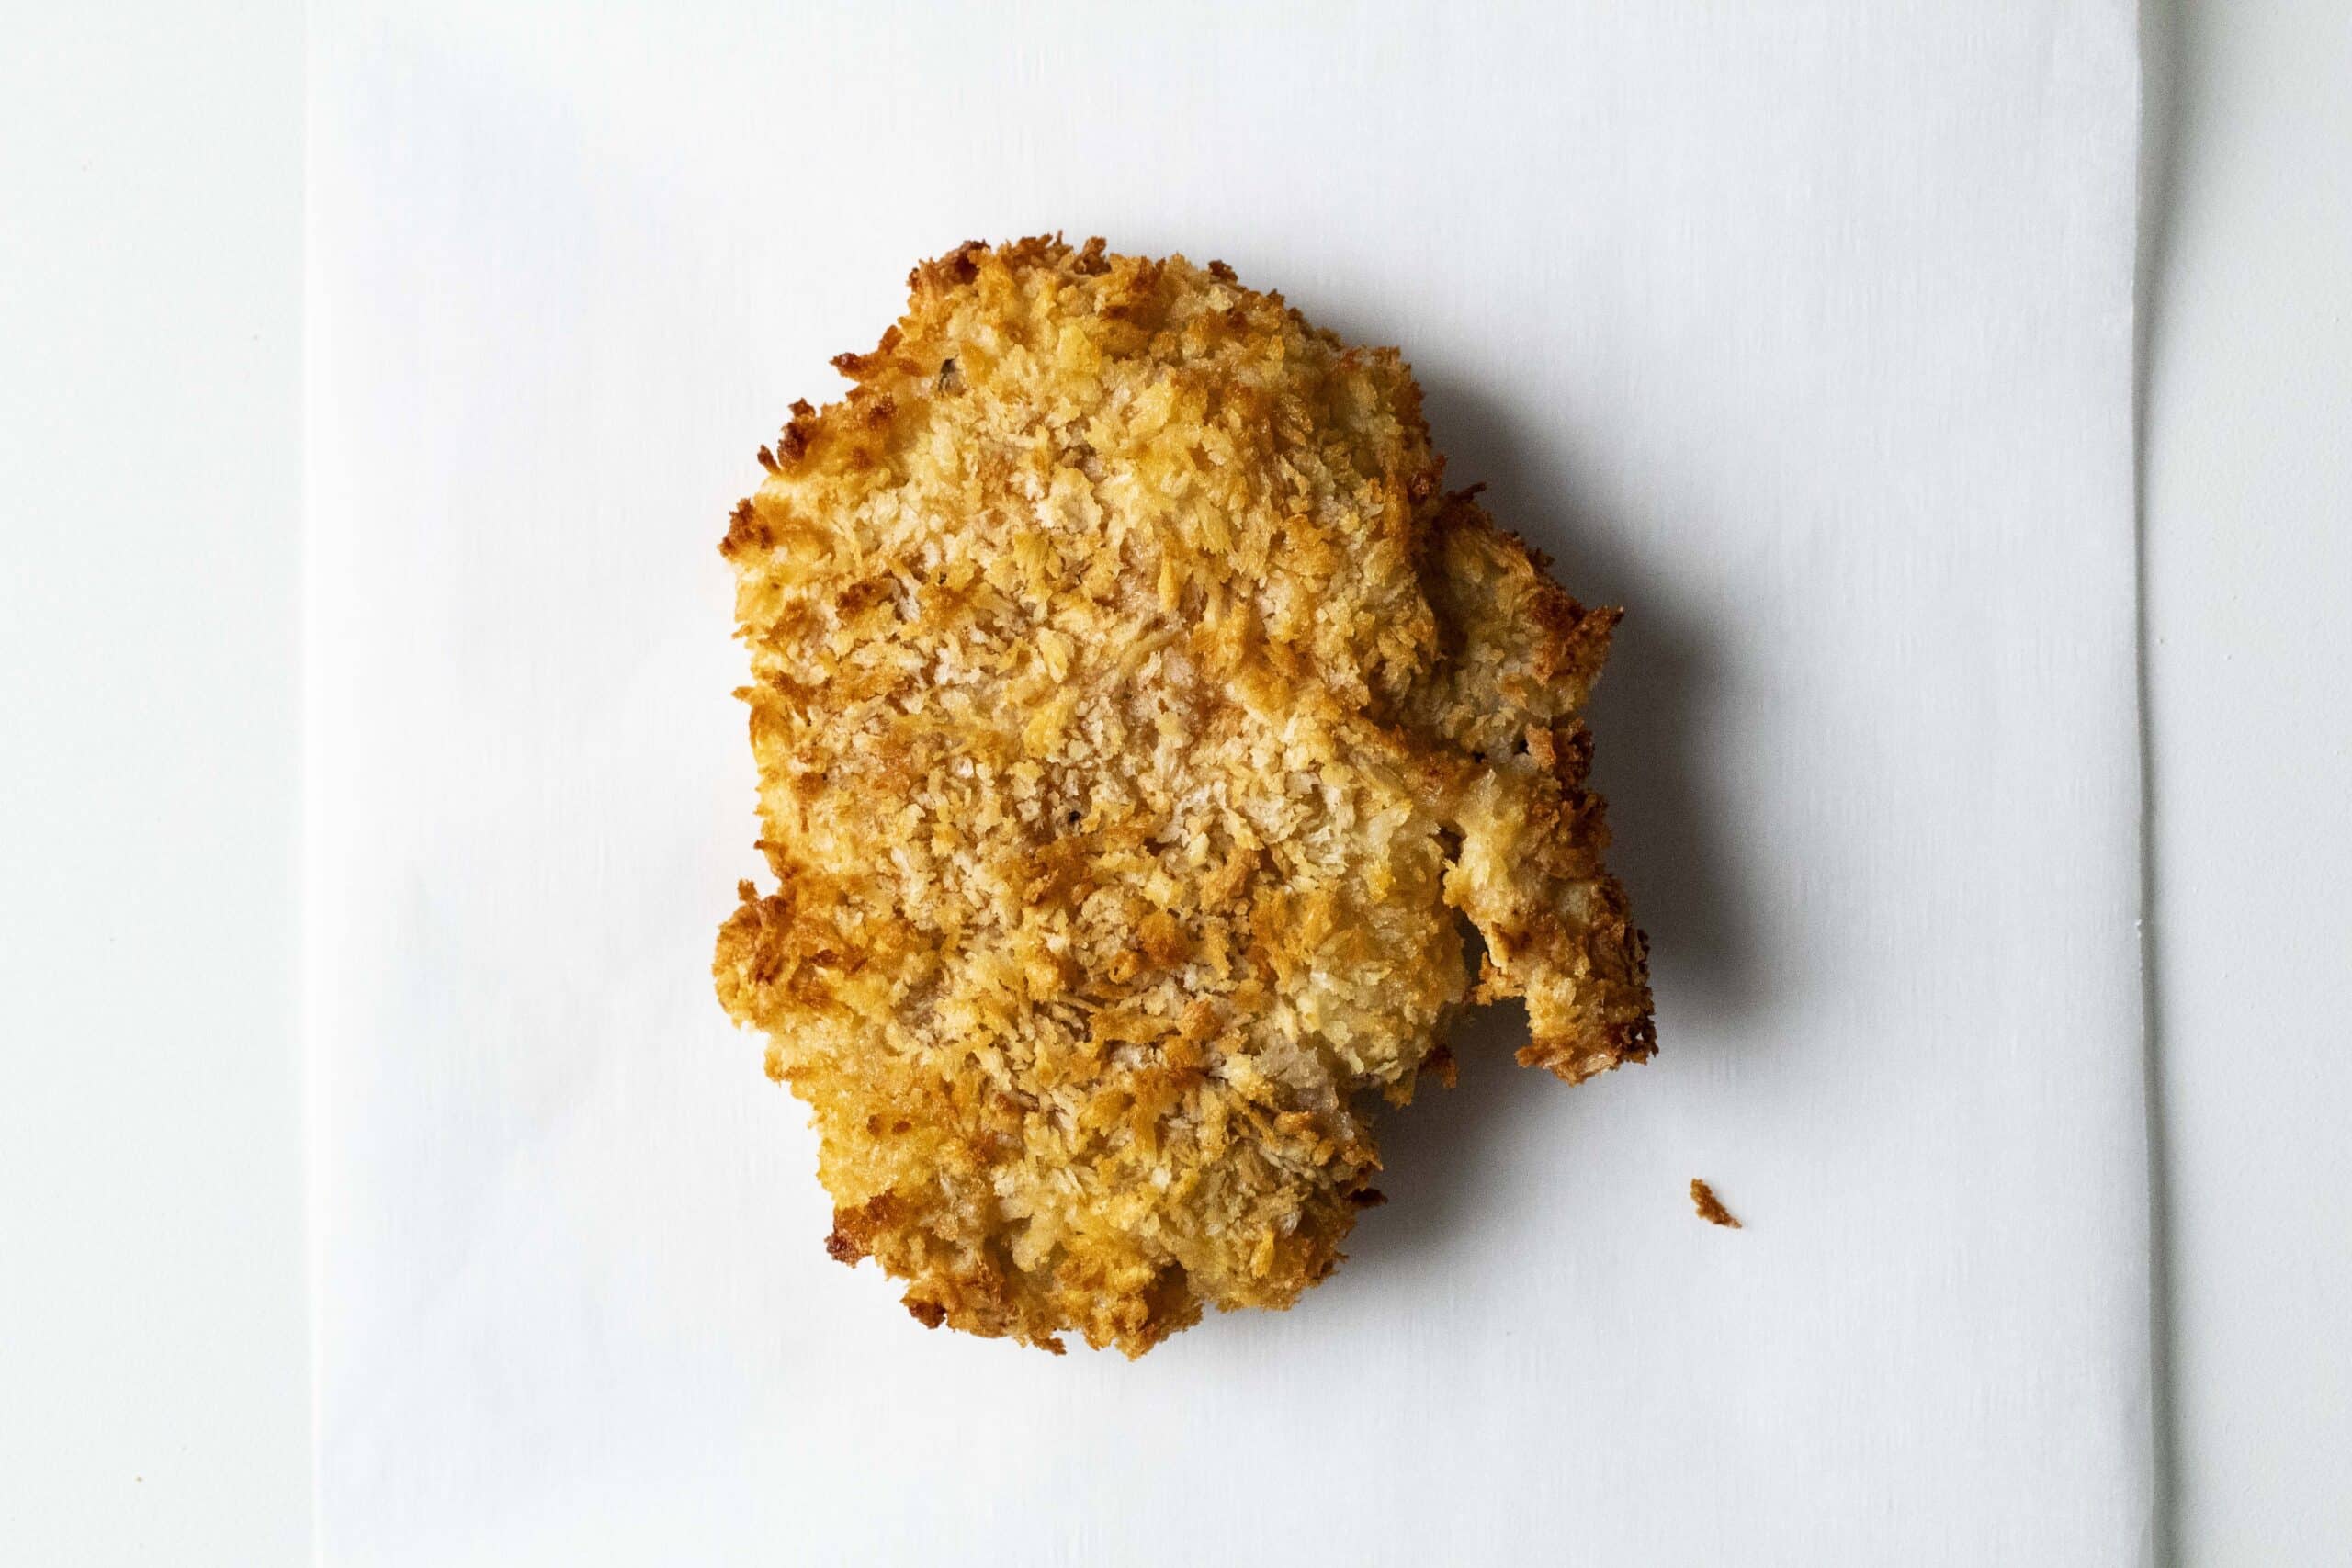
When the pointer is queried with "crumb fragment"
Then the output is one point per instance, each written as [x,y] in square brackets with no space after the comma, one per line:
[1710,1208]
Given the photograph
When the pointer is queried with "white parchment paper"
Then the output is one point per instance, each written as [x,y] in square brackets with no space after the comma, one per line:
[1802,330]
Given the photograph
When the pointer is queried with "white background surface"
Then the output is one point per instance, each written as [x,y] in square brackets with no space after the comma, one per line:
[2248,552]
[153,1334]
[1807,338]
[151,1313]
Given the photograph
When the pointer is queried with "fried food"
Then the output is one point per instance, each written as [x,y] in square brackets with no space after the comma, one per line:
[1137,721]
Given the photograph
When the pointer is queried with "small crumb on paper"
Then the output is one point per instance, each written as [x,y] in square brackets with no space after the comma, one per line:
[1710,1208]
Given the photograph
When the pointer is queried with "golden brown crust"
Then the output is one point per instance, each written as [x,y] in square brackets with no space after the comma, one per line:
[1134,713]
[1710,1208]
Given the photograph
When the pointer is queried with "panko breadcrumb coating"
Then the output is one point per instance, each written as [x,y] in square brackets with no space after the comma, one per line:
[1138,722]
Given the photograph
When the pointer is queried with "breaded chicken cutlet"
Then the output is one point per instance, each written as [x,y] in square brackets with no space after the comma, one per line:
[1138,722]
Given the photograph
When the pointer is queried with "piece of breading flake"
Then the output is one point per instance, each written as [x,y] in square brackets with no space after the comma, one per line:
[1710,1208]
[1136,723]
